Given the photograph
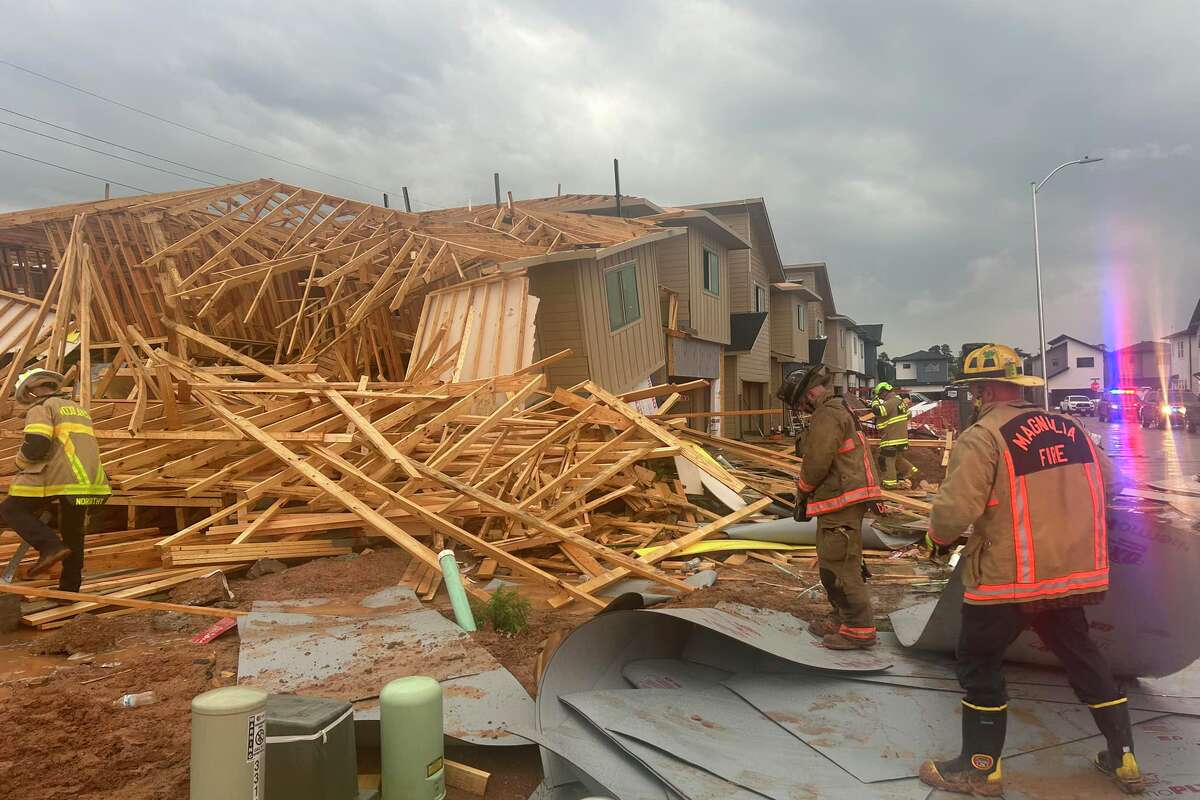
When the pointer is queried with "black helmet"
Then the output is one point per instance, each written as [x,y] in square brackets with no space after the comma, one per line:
[800,381]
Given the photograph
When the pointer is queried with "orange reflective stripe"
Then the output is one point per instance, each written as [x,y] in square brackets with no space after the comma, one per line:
[867,468]
[847,446]
[1029,532]
[993,502]
[1099,523]
[1022,540]
[1092,579]
[859,495]
[857,633]
[1097,556]
[803,486]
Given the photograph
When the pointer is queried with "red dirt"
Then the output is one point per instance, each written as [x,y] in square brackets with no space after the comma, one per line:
[64,739]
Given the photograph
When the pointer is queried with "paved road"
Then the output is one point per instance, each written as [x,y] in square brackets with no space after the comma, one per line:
[1149,455]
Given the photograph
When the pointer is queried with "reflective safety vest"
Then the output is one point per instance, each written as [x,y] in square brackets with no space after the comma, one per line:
[1034,486]
[72,468]
[891,421]
[838,469]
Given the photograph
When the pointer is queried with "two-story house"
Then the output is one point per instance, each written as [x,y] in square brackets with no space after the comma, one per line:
[872,339]
[1184,347]
[694,274]
[1075,367]
[924,371]
[746,383]
[1145,364]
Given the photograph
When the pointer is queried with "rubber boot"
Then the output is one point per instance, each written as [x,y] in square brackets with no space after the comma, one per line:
[847,638]
[823,626]
[976,771]
[1117,762]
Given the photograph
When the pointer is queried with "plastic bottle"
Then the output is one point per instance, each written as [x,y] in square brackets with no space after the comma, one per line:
[135,700]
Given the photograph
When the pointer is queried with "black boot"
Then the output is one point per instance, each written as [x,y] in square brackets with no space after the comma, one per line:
[1117,761]
[976,771]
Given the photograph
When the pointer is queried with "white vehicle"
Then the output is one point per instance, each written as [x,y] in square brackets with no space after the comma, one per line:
[1077,404]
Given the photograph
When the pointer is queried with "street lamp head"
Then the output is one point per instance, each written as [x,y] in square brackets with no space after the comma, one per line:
[1088,160]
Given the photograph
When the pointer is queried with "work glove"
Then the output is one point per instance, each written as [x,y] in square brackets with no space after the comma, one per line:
[800,510]
[937,550]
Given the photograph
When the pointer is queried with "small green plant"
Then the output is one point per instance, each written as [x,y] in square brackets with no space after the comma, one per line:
[507,611]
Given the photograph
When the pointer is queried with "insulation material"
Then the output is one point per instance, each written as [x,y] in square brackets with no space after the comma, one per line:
[489,322]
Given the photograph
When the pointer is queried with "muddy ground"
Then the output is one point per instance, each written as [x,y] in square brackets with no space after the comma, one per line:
[61,737]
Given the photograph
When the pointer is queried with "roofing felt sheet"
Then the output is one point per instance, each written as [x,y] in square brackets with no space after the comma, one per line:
[1147,624]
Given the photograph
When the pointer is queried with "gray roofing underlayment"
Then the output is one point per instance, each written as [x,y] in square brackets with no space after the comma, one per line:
[740,702]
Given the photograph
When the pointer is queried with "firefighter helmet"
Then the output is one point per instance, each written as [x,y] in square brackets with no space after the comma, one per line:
[996,362]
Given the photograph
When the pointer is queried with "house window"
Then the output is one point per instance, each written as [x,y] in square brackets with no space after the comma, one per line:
[1179,349]
[712,272]
[1090,361]
[906,366]
[620,283]
[800,316]
[760,298]
[820,328]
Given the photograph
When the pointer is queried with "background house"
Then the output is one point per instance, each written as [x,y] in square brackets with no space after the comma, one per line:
[1145,364]
[924,371]
[748,378]
[1184,350]
[872,339]
[1075,367]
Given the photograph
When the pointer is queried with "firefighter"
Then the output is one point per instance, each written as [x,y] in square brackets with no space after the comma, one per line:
[59,465]
[891,423]
[1033,485]
[837,482]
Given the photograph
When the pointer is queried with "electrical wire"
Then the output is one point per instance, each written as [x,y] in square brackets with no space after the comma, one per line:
[110,155]
[121,146]
[181,125]
[77,172]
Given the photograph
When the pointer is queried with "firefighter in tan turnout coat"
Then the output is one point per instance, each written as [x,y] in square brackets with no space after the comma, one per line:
[837,483]
[59,470]
[1033,486]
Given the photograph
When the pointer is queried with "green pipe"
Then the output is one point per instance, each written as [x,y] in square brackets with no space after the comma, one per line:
[458,595]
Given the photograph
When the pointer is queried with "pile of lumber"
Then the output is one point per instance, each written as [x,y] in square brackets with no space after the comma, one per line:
[259,387]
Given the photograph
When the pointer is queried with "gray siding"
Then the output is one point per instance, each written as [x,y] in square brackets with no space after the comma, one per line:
[558,322]
[710,313]
[624,358]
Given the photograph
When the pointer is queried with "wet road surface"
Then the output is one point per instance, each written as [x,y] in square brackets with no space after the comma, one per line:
[1149,455]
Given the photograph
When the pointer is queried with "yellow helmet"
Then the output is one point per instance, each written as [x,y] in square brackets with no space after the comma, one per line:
[996,362]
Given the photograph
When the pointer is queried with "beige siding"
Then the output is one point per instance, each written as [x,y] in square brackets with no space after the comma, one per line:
[622,359]
[710,313]
[674,273]
[731,398]
[740,298]
[558,322]
[783,323]
[755,365]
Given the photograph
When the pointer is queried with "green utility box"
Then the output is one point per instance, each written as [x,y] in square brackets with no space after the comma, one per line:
[310,749]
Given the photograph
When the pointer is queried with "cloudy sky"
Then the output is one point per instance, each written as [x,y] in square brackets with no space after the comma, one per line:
[896,141]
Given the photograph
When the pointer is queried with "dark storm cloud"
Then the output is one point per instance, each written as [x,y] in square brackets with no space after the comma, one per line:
[895,141]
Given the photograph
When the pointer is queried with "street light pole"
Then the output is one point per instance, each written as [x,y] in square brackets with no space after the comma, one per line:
[1037,269]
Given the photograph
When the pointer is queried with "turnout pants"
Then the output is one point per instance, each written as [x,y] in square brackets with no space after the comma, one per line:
[24,515]
[987,632]
[893,459]
[839,559]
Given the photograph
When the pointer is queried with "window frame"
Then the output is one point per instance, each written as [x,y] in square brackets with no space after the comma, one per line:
[1090,359]
[715,288]
[820,327]
[766,299]
[801,317]
[632,265]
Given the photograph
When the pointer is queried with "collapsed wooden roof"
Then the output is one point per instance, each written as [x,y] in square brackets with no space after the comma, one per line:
[305,275]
